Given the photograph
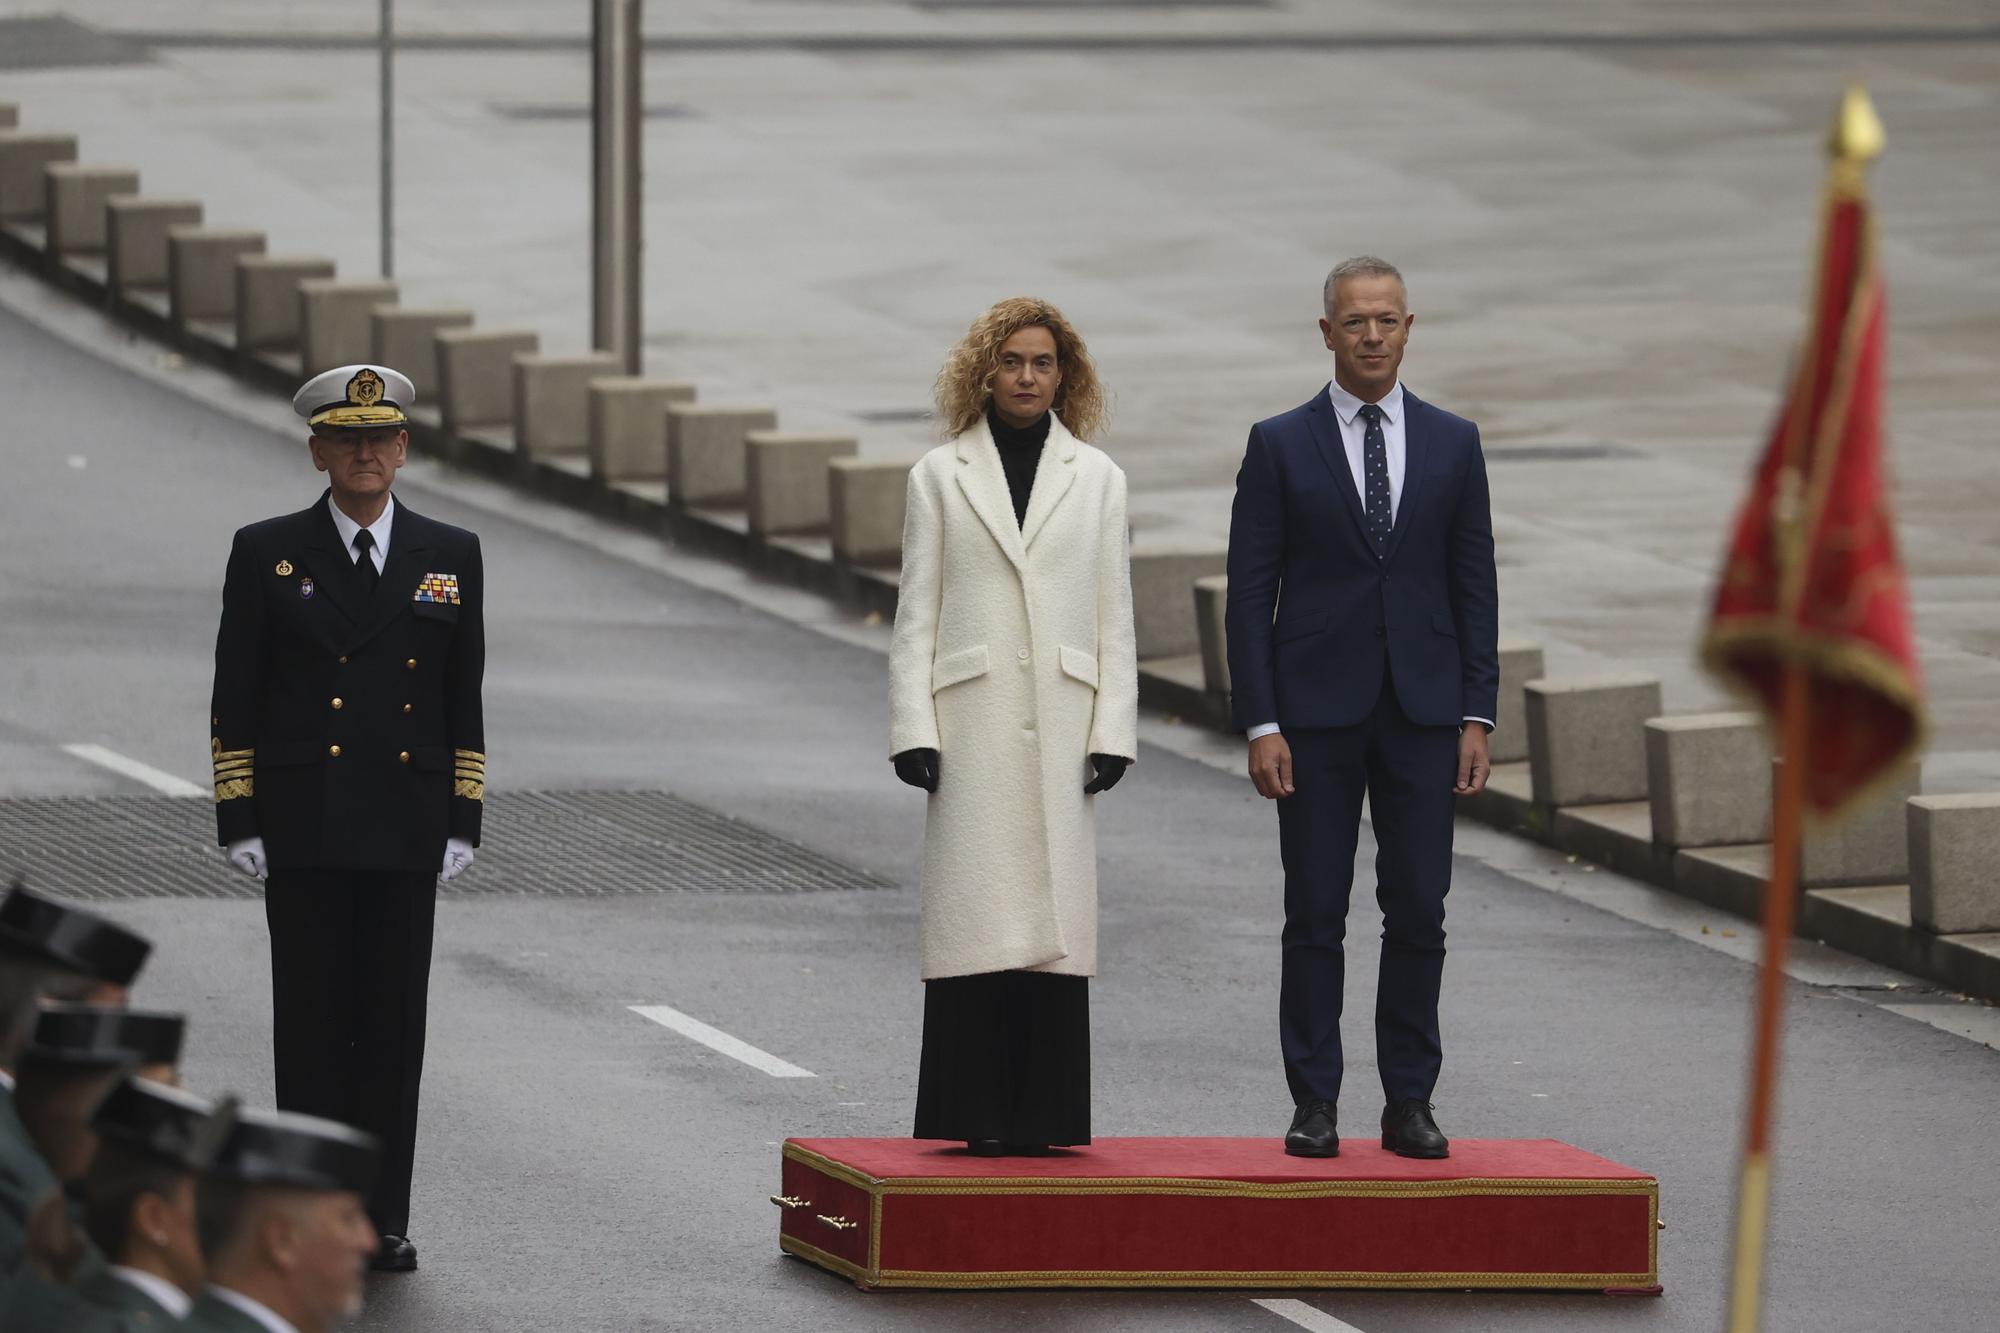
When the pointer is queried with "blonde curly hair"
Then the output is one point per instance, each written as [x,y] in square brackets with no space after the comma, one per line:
[965,384]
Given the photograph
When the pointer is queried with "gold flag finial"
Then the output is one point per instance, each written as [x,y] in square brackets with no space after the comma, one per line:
[1857,131]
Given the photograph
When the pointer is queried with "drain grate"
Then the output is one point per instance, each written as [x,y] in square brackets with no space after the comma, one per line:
[569,843]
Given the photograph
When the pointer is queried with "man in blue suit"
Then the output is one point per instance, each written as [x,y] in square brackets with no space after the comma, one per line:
[1363,647]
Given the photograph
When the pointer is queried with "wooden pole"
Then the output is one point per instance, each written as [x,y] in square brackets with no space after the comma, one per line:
[1753,1191]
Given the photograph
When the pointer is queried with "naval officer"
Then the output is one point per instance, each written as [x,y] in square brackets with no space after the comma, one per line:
[349,766]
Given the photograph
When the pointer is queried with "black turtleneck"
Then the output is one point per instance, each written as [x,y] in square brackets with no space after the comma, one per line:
[1020,452]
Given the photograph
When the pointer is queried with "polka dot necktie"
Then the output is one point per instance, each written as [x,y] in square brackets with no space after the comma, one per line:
[1375,473]
[364,561]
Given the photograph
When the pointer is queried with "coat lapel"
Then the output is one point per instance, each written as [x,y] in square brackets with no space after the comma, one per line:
[985,486]
[1326,435]
[332,565]
[1053,478]
[409,545]
[1416,466]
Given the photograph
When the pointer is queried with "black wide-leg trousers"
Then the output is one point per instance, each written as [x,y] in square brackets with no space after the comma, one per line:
[350,976]
[1406,771]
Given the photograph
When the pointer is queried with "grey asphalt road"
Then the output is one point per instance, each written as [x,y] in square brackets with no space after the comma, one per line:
[583,1168]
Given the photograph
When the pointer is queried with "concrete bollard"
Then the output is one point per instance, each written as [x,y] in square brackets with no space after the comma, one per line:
[201,271]
[475,370]
[786,480]
[705,452]
[135,238]
[1708,777]
[10,115]
[336,321]
[628,426]
[73,204]
[1162,606]
[1870,845]
[405,339]
[1587,738]
[1520,662]
[1954,845]
[865,503]
[1211,605]
[23,158]
[267,298]
[552,401]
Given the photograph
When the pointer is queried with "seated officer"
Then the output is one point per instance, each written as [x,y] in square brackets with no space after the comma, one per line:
[284,1225]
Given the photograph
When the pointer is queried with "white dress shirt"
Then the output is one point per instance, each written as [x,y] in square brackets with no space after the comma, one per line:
[164,1293]
[6,1081]
[1353,441]
[379,530]
[257,1310]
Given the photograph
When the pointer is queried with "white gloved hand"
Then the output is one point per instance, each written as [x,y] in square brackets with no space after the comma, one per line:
[248,856]
[457,856]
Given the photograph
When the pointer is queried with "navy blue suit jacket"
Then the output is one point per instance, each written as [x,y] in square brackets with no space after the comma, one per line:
[1315,617]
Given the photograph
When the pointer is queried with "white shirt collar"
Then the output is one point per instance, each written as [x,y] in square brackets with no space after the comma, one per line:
[257,1310]
[169,1297]
[1346,404]
[6,1081]
[379,529]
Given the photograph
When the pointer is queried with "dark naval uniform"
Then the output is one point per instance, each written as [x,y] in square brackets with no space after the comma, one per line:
[348,736]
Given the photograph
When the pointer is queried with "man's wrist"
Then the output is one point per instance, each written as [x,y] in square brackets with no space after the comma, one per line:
[1485,722]
[1261,730]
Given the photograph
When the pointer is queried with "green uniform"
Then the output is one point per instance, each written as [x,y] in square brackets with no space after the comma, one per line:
[211,1315]
[24,1179]
[31,1302]
[112,1305]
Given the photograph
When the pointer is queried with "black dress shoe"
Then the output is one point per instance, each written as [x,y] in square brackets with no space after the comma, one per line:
[1409,1131]
[1313,1132]
[986,1147]
[394,1255]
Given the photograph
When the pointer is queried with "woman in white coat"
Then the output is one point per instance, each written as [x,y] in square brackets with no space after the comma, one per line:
[1013,685]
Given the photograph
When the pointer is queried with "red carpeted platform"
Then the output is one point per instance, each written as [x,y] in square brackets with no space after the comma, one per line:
[1498,1213]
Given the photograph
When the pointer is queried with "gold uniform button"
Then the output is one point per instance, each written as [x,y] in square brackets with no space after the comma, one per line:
[406,708]
[404,757]
[333,751]
[411,664]
[338,703]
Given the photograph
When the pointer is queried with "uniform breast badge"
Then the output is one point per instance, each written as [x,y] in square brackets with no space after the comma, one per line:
[306,588]
[284,569]
[438,588]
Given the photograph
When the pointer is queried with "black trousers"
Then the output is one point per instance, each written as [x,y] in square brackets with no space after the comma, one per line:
[1406,771]
[350,976]
[1006,1056]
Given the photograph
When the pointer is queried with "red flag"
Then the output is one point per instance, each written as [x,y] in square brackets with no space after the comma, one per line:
[1812,575]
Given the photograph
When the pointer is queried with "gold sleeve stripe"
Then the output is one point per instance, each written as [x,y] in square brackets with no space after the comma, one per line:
[219,754]
[469,789]
[245,762]
[234,789]
[464,766]
[473,755]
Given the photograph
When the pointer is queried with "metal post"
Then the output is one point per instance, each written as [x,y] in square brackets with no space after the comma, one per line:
[615,159]
[387,154]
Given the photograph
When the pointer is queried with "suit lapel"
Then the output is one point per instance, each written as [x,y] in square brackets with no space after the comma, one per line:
[1053,477]
[985,486]
[1326,434]
[1416,466]
[409,545]
[332,564]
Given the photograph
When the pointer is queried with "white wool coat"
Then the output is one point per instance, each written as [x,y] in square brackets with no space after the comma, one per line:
[1014,658]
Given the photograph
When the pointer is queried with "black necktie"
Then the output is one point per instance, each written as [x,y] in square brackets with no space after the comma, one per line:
[364,561]
[1375,479]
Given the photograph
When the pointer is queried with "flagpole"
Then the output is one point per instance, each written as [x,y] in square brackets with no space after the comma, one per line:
[1780,909]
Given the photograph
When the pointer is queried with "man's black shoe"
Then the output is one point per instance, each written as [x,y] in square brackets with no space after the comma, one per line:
[394,1255]
[1409,1131]
[1313,1132]
[986,1147]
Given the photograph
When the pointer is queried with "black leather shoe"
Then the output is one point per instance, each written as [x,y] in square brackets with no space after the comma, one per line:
[1313,1132]
[1409,1131]
[986,1147]
[394,1255]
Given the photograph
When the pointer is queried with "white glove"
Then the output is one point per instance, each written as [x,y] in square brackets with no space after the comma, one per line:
[248,857]
[457,856]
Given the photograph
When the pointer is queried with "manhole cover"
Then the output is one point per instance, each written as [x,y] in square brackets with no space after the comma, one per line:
[577,843]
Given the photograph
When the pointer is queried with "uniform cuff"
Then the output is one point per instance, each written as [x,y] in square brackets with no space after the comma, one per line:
[1262,730]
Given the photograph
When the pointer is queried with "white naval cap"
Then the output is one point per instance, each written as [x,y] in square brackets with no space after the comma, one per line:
[354,397]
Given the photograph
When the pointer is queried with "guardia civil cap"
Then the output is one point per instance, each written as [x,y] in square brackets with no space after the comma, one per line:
[293,1151]
[163,1124]
[356,398]
[103,1036]
[69,937]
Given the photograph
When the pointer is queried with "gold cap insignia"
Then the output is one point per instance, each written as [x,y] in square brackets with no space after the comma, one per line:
[365,389]
[284,568]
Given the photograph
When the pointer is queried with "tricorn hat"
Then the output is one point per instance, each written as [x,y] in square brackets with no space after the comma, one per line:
[70,938]
[293,1151]
[164,1124]
[100,1036]
[356,398]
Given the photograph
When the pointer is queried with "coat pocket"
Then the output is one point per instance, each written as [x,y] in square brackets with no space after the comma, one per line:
[445,611]
[956,668]
[1442,623]
[1078,663]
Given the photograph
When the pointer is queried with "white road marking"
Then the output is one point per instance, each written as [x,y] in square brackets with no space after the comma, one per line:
[164,783]
[718,1040]
[1307,1316]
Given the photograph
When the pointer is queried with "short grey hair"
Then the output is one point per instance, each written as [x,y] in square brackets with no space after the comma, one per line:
[1361,266]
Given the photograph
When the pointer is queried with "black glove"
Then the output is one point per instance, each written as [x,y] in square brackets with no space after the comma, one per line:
[1110,768]
[919,768]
